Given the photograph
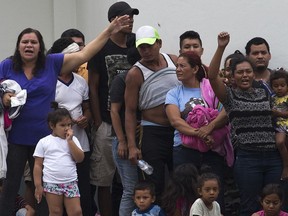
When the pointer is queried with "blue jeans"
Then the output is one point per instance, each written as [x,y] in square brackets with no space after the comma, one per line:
[252,171]
[284,186]
[129,178]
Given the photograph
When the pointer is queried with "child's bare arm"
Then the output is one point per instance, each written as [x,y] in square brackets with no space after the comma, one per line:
[277,113]
[77,153]
[37,172]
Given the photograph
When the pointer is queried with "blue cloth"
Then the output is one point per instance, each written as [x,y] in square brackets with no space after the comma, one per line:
[31,125]
[154,210]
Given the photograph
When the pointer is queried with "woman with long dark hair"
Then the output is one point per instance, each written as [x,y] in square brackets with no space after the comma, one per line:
[37,73]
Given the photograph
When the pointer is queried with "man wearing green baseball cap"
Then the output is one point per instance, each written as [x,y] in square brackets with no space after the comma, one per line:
[146,86]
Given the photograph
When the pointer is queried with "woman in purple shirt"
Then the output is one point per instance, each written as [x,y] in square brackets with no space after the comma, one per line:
[37,73]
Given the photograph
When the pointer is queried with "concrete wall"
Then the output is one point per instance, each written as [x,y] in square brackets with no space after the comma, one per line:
[244,19]
[48,16]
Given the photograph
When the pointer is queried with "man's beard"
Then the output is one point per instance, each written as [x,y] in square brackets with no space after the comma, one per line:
[261,68]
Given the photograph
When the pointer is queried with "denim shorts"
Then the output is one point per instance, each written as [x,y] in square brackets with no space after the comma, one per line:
[67,189]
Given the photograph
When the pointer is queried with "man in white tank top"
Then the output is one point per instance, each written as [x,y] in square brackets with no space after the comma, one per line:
[147,83]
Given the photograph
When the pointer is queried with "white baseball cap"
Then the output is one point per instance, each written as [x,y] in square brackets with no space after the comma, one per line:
[146,35]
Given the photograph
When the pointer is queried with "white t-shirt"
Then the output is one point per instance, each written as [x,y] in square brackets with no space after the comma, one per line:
[71,96]
[199,208]
[59,166]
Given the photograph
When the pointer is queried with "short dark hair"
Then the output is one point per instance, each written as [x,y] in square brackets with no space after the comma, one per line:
[60,44]
[207,176]
[236,54]
[256,41]
[145,185]
[191,35]
[58,114]
[272,189]
[236,61]
[183,183]
[277,74]
[73,33]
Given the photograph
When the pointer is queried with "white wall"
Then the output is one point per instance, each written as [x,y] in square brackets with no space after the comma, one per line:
[243,19]
[50,17]
[17,15]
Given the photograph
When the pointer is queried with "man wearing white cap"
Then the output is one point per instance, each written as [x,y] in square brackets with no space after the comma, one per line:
[147,83]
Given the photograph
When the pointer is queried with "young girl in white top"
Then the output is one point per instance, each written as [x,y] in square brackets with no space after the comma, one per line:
[57,154]
[208,189]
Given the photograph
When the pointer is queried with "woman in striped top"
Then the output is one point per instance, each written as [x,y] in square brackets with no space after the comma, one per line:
[258,161]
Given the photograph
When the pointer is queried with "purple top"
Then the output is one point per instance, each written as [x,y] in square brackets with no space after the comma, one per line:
[31,125]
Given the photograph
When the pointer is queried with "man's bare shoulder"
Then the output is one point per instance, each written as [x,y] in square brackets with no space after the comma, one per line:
[173,57]
[134,74]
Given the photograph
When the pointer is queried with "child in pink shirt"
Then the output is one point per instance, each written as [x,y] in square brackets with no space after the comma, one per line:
[271,201]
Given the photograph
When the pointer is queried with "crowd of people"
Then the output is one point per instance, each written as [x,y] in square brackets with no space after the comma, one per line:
[94,110]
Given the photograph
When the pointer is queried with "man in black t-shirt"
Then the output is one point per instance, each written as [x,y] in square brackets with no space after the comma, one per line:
[103,67]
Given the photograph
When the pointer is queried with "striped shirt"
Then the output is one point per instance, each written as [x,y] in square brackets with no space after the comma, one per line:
[250,116]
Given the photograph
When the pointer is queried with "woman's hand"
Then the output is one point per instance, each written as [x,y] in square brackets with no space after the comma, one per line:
[209,141]
[223,39]
[284,175]
[206,130]
[118,24]
[204,134]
